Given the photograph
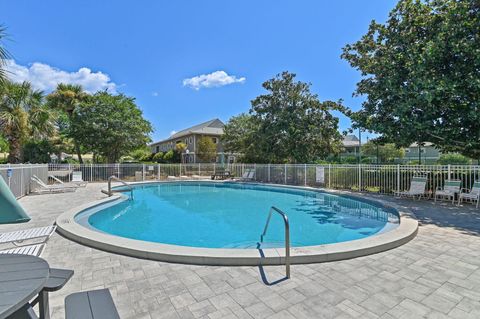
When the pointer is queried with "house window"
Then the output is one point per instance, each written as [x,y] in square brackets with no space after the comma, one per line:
[157,149]
[407,150]
[214,140]
[190,140]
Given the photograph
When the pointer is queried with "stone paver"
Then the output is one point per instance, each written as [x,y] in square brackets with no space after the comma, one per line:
[436,275]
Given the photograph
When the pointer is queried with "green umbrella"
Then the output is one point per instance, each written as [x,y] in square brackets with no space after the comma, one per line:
[10,209]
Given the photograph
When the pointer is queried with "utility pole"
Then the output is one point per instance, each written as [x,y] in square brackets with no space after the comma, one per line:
[359,145]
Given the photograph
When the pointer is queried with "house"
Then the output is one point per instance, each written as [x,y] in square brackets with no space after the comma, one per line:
[190,136]
[351,146]
[426,153]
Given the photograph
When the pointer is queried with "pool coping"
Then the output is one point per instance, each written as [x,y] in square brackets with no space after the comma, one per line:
[406,231]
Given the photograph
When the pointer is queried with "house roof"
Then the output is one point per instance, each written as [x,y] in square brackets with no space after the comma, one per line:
[350,140]
[212,127]
[424,144]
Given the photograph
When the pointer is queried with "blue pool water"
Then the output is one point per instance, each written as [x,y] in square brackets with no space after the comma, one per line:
[232,215]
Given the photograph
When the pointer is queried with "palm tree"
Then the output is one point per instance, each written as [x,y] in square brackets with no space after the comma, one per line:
[66,98]
[23,115]
[4,55]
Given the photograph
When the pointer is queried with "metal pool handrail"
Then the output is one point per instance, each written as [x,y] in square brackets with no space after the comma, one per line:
[113,177]
[287,235]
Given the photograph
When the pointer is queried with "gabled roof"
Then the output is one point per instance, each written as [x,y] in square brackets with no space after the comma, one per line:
[350,140]
[212,127]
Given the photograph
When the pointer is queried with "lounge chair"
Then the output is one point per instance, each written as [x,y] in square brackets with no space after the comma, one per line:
[61,183]
[42,188]
[449,190]
[248,175]
[19,236]
[471,195]
[417,188]
[33,250]
[78,179]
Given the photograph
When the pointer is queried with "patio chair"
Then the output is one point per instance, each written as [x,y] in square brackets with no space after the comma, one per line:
[77,178]
[99,303]
[417,188]
[449,190]
[42,188]
[471,195]
[32,250]
[19,236]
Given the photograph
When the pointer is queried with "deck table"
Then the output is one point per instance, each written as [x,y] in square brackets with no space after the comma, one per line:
[22,278]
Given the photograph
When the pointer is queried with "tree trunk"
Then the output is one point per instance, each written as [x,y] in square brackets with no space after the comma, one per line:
[79,153]
[15,153]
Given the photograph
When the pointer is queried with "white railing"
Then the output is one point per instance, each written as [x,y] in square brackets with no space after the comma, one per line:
[382,179]
[18,177]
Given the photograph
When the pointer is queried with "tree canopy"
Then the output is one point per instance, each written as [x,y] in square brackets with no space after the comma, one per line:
[386,153]
[23,116]
[288,124]
[66,98]
[110,125]
[207,149]
[421,75]
[4,55]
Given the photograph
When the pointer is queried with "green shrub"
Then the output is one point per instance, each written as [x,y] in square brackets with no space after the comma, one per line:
[158,157]
[140,153]
[453,158]
[168,157]
[146,157]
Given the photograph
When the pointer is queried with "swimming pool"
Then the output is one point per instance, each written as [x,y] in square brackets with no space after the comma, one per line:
[219,223]
[233,215]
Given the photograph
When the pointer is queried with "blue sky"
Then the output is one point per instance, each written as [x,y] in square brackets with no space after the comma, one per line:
[149,50]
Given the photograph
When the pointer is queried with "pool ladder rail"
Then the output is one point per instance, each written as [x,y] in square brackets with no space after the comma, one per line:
[110,191]
[273,209]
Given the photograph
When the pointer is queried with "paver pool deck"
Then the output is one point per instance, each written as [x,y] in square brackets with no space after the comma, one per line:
[436,275]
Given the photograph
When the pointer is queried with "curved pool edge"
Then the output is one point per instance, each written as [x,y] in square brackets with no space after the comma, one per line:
[406,231]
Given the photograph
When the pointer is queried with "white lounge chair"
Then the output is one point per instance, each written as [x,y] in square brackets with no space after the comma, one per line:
[61,183]
[248,175]
[417,188]
[449,190]
[77,178]
[33,250]
[18,237]
[471,195]
[42,188]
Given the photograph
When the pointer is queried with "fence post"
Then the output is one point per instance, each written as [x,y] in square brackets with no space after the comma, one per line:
[143,172]
[158,171]
[118,171]
[329,175]
[21,181]
[449,171]
[268,172]
[199,171]
[359,177]
[69,175]
[214,168]
[285,174]
[305,174]
[398,177]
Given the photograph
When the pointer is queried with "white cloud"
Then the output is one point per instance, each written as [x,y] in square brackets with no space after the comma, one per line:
[214,79]
[155,94]
[45,77]
[172,132]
